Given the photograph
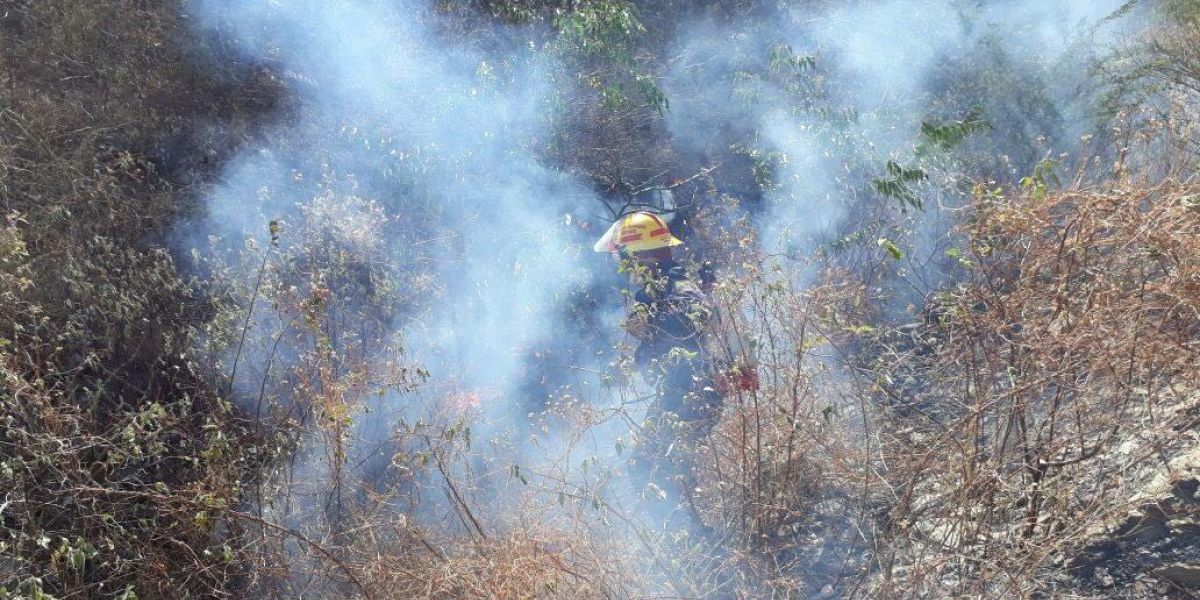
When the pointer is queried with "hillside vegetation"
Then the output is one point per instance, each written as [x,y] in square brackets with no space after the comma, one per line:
[297,299]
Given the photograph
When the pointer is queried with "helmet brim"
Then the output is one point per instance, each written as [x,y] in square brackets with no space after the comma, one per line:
[608,242]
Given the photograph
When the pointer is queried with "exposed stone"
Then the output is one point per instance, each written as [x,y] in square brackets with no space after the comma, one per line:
[1160,537]
[1185,575]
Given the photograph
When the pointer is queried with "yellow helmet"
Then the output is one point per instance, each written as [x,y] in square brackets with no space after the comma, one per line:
[637,232]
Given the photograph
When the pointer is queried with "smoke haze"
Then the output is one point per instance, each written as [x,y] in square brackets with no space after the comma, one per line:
[422,155]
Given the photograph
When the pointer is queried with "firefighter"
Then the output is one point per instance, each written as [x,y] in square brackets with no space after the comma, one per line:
[668,319]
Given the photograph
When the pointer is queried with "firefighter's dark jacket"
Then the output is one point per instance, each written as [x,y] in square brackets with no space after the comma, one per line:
[675,311]
[671,349]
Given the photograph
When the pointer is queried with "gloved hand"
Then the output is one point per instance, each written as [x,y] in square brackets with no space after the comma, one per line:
[637,324]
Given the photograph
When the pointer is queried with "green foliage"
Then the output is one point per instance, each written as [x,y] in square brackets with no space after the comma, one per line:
[891,248]
[947,136]
[1042,180]
[604,34]
[600,28]
[900,185]
[516,12]
[764,165]
[784,60]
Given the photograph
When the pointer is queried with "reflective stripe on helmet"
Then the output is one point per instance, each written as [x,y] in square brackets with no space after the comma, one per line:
[637,232]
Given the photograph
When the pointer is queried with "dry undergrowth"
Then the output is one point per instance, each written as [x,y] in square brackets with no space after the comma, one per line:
[1054,379]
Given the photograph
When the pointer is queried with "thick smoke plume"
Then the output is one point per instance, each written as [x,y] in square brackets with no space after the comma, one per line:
[435,135]
[413,154]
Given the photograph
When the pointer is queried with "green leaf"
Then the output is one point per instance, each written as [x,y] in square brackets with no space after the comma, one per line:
[891,247]
[783,58]
[946,136]
[899,184]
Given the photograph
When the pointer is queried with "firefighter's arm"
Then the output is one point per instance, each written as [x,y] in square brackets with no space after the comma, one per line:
[637,325]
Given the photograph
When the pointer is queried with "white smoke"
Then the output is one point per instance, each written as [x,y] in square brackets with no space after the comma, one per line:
[421,150]
[423,126]
[879,69]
